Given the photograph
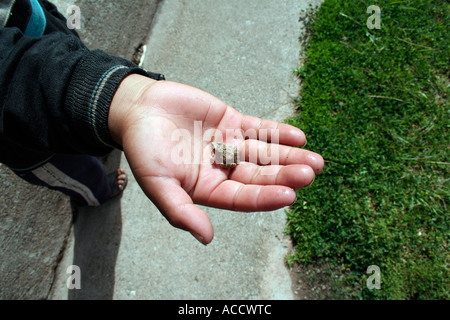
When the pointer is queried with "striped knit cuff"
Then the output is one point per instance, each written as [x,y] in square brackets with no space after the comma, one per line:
[90,93]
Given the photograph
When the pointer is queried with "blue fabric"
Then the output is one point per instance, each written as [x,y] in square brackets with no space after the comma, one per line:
[36,25]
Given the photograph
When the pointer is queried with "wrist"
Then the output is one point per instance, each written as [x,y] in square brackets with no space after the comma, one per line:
[127,98]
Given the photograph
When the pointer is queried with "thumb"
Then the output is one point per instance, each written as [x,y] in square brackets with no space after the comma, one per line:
[177,207]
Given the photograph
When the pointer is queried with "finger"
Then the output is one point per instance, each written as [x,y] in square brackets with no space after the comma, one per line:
[177,207]
[264,153]
[292,176]
[233,195]
[272,131]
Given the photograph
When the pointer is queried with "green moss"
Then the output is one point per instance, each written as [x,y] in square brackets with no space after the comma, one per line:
[374,103]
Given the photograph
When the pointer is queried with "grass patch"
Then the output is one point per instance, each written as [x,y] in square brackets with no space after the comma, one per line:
[374,103]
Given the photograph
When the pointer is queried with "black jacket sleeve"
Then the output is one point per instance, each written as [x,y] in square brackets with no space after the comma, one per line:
[55,96]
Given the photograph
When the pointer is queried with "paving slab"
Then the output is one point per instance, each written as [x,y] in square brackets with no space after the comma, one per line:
[243,52]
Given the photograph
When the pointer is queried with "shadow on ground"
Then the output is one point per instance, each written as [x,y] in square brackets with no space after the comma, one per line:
[97,234]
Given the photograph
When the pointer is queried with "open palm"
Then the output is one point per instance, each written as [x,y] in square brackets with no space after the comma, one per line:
[167,143]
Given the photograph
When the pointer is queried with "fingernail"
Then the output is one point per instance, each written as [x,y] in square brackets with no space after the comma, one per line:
[291,192]
[300,134]
[199,238]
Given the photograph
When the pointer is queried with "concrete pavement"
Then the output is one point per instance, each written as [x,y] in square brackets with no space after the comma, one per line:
[244,53]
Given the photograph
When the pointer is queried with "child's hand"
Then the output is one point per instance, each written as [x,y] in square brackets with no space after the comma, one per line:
[156,121]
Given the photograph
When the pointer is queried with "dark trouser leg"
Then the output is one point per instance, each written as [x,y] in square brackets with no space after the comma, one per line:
[81,177]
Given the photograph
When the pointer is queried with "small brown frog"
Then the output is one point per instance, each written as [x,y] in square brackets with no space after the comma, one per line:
[225,156]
